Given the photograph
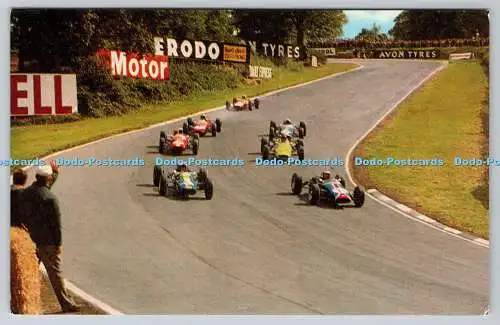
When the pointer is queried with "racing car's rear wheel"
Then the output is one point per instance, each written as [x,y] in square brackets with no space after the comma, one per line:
[296,184]
[185,128]
[209,190]
[228,105]
[250,105]
[162,145]
[302,125]
[301,133]
[214,131]
[162,134]
[190,121]
[256,103]
[163,186]
[263,144]
[265,153]
[196,146]
[342,181]
[358,197]
[314,194]
[156,175]
[218,125]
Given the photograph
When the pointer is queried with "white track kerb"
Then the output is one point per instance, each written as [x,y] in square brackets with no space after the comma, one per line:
[396,206]
[96,303]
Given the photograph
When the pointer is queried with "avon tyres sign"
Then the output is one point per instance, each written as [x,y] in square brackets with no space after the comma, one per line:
[406,54]
[134,65]
[202,50]
[43,94]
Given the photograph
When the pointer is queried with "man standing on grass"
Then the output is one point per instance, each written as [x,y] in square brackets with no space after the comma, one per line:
[43,219]
[19,180]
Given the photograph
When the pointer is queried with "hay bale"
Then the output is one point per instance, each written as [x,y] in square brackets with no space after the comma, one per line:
[24,274]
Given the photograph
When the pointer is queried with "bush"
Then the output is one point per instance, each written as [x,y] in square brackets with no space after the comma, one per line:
[99,94]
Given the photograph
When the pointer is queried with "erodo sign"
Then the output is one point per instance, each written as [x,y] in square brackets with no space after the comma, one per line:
[202,50]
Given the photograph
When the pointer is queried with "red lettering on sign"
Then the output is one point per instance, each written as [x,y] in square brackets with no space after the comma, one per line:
[16,94]
[37,97]
[60,109]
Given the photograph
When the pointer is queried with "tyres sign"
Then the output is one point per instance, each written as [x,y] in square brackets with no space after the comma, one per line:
[406,54]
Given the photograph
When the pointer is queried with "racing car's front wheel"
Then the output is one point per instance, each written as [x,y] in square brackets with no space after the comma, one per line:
[256,103]
[228,105]
[185,128]
[300,153]
[358,197]
[218,125]
[214,131]
[302,125]
[314,194]
[209,190]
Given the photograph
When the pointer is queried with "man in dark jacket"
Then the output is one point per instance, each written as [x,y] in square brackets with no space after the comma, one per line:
[43,220]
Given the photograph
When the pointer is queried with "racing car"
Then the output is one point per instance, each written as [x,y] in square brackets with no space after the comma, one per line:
[178,142]
[287,129]
[282,148]
[202,127]
[182,182]
[243,104]
[331,191]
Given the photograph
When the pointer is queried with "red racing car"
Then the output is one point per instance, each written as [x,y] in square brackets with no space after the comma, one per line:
[178,142]
[202,127]
[243,104]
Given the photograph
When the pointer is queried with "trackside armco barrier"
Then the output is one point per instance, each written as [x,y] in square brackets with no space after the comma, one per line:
[461,56]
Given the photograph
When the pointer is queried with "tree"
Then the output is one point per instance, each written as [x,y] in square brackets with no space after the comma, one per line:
[372,34]
[440,24]
[297,26]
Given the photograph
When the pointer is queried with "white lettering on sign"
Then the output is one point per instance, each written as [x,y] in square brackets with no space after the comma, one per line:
[43,94]
[136,66]
[260,72]
[280,51]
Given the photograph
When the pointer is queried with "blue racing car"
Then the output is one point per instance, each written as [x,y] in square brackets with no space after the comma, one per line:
[182,182]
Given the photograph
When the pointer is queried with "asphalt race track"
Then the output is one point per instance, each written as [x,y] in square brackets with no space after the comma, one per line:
[255,248]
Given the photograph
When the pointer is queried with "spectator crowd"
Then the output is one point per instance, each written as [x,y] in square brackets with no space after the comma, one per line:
[36,209]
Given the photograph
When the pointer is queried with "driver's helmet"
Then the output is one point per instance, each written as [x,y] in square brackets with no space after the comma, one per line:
[176,132]
[243,97]
[287,121]
[325,175]
[180,131]
[337,176]
[203,117]
[183,168]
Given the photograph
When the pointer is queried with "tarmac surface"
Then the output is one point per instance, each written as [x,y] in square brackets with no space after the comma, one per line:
[255,248]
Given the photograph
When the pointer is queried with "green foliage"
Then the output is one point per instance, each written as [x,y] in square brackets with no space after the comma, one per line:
[322,59]
[440,24]
[289,26]
[371,35]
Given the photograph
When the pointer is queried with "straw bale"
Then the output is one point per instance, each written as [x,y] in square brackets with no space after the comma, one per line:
[24,274]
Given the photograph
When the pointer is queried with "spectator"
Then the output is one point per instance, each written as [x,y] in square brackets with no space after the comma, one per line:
[43,219]
[19,180]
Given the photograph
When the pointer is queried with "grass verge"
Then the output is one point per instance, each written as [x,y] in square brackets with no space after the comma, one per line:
[447,117]
[32,141]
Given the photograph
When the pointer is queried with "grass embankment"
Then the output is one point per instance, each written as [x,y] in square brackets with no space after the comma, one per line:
[32,141]
[446,118]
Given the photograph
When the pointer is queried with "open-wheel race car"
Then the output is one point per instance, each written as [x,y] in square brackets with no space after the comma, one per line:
[243,104]
[178,142]
[325,189]
[182,182]
[282,148]
[202,127]
[287,128]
